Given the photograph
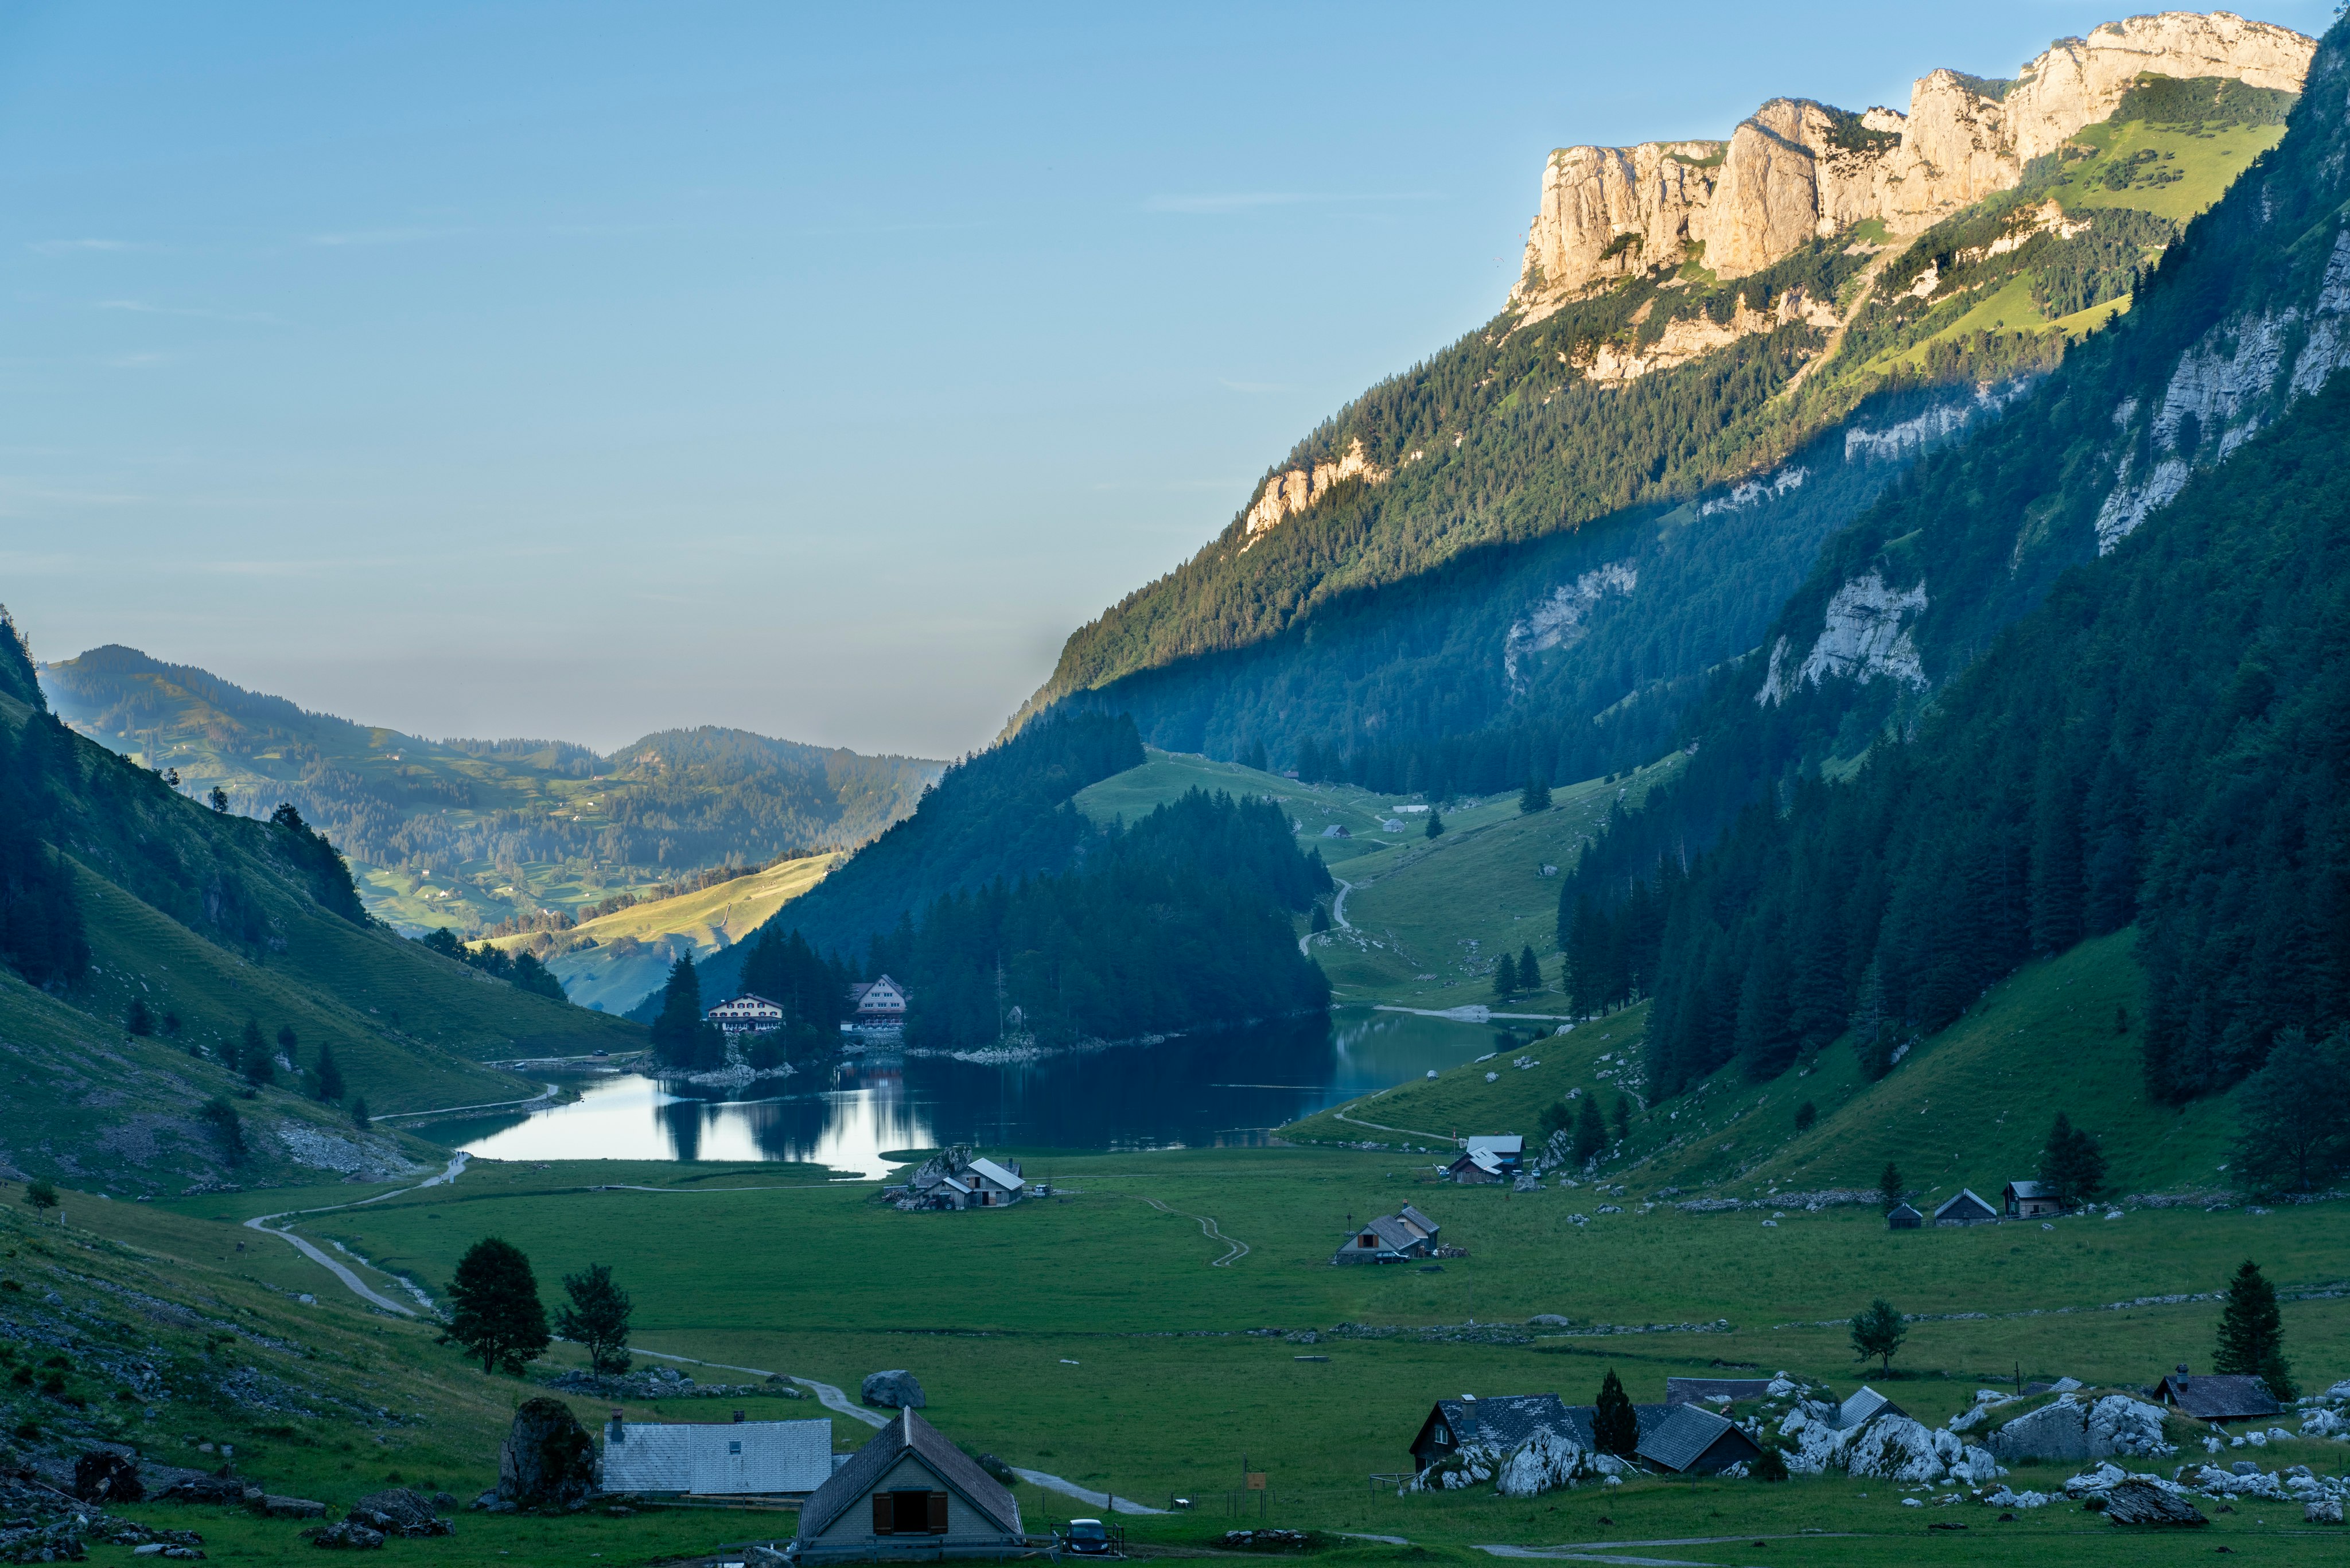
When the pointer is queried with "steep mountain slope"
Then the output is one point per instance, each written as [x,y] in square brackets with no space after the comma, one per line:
[194,953]
[2093,661]
[472,834]
[1525,554]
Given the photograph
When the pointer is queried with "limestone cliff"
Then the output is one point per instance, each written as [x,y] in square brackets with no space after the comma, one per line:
[1295,490]
[1796,170]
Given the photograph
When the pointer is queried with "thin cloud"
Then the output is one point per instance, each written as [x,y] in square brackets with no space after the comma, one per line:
[1217,202]
[76,247]
[141,308]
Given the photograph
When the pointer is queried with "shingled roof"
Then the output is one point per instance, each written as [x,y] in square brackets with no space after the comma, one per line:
[1691,1390]
[2217,1396]
[1506,1420]
[909,1433]
[1681,1438]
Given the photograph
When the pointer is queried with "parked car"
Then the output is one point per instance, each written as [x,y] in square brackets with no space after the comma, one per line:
[1089,1537]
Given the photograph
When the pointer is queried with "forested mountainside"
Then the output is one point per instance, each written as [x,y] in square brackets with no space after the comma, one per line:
[1526,553]
[2085,670]
[471,834]
[187,994]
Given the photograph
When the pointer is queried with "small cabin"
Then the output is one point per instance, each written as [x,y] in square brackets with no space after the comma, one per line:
[1902,1217]
[1491,1157]
[1692,1441]
[1966,1208]
[952,1179]
[2219,1396]
[747,1014]
[909,1494]
[2029,1200]
[1502,1421]
[1402,1237]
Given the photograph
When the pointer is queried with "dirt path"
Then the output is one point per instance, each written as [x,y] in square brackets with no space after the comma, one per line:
[545,1092]
[1868,277]
[1240,1249]
[260,1222]
[1337,913]
[1100,1500]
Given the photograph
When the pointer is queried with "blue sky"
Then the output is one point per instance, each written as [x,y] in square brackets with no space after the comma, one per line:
[585,370]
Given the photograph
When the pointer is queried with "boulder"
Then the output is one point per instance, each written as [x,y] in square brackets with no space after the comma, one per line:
[1547,1320]
[2139,1500]
[104,1476]
[206,1489]
[891,1391]
[2322,1510]
[2070,1431]
[547,1459]
[347,1536]
[292,1507]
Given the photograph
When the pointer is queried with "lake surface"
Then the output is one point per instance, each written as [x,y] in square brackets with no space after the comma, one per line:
[1231,1087]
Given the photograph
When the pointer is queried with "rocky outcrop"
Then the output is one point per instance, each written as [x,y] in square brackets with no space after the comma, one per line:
[547,1459]
[1862,637]
[2071,1430]
[1796,170]
[1295,490]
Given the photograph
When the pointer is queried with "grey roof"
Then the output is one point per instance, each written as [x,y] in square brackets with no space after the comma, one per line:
[1507,1420]
[996,1174]
[2218,1396]
[1864,1403]
[908,1433]
[1687,1390]
[1677,1442]
[741,1458]
[1414,1217]
[2032,1189]
[1964,1194]
[1508,1146]
[1899,1209]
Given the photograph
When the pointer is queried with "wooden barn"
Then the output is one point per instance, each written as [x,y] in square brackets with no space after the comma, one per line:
[1966,1208]
[1901,1217]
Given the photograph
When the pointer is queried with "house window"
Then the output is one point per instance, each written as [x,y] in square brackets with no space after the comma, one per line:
[733,1447]
[909,1513]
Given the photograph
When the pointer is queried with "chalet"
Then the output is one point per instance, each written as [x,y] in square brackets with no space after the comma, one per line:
[1966,1208]
[1901,1217]
[953,1180]
[1495,1157]
[2217,1396]
[741,1459]
[908,1494]
[1714,1390]
[1401,1237]
[2029,1199]
[747,1014]
[1338,830]
[882,1001]
[1692,1441]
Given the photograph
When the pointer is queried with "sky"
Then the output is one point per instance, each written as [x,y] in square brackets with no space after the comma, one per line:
[579,370]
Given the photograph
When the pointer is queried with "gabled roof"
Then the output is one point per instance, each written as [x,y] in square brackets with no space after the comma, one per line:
[1682,1436]
[2218,1396]
[1507,1420]
[1864,1403]
[1411,1215]
[867,1467]
[2031,1189]
[996,1173]
[1508,1146]
[774,1457]
[749,996]
[1965,1194]
[1690,1390]
[1900,1208]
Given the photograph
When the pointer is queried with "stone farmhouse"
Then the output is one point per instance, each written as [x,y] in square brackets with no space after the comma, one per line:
[748,1013]
[1966,1208]
[1403,1237]
[1676,1438]
[737,1459]
[909,1494]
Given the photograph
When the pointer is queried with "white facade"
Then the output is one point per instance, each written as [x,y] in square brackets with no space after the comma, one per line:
[747,1014]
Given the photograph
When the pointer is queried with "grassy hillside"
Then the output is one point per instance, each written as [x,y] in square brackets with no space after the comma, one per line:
[470,834]
[613,959]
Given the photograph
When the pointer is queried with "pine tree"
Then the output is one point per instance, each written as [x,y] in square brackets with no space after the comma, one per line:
[330,1075]
[1435,822]
[139,1020]
[1614,1424]
[2073,1164]
[597,1318]
[1877,1331]
[1622,1118]
[1590,1131]
[678,1030]
[2294,1125]
[1505,979]
[359,1117]
[1529,969]
[1888,1188]
[494,1311]
[289,1045]
[253,1055]
[2252,1334]
[1535,796]
[1805,1115]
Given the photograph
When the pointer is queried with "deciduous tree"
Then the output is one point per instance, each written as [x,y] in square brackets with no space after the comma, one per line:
[597,1317]
[494,1311]
[1877,1331]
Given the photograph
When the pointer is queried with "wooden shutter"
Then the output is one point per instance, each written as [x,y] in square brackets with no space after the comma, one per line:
[938,1513]
[885,1516]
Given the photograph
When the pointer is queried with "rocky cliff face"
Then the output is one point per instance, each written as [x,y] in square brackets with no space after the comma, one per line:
[1796,170]
[1295,490]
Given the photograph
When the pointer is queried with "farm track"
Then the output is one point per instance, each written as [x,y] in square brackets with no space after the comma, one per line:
[1240,1249]
[455,1167]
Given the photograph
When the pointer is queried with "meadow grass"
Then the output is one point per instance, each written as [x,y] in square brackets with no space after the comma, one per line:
[2208,165]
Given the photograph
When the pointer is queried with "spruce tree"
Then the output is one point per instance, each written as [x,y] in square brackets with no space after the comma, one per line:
[1535,796]
[139,1020]
[1529,969]
[1622,1118]
[359,1117]
[1590,1130]
[289,1045]
[1888,1188]
[2252,1334]
[1615,1425]
[494,1311]
[1505,979]
[329,1084]
[1805,1115]
[253,1055]
[1435,822]
[597,1318]
[677,1030]
[2072,1164]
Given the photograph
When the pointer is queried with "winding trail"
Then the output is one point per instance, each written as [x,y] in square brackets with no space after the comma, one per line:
[1382,1126]
[1240,1249]
[359,1287]
[547,1092]
[1337,914]
[1108,1501]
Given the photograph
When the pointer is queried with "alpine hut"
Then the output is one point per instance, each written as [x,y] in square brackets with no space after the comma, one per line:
[908,1494]
[2217,1396]
[1966,1208]
[1692,1441]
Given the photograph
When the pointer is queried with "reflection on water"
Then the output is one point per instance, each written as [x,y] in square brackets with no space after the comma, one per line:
[1223,1088]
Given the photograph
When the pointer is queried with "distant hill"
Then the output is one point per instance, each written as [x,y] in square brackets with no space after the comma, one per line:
[473,834]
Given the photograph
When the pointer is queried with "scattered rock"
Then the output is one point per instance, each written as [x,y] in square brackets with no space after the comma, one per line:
[400,1511]
[206,1489]
[1264,1539]
[292,1508]
[892,1390]
[2322,1510]
[2138,1500]
[103,1476]
[547,1459]
[1548,1320]
[346,1536]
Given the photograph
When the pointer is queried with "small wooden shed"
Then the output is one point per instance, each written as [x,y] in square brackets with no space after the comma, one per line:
[2219,1396]
[1901,1217]
[1966,1208]
[909,1494]
[2029,1199]
[1692,1441]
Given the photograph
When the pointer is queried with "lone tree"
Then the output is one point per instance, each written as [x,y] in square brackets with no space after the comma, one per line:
[1876,1331]
[1614,1429]
[1888,1188]
[227,1127]
[1435,822]
[252,1057]
[2252,1334]
[1535,796]
[41,1195]
[218,799]
[1590,1130]
[1529,969]
[331,1073]
[359,1117]
[2073,1164]
[494,1311]
[1505,979]
[2294,1134]
[1805,1115]
[289,1045]
[139,1020]
[597,1317]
